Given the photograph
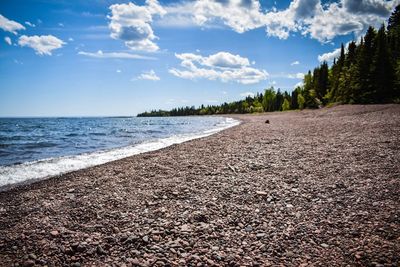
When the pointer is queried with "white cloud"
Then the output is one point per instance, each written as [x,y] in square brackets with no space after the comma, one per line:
[132,24]
[61,24]
[222,66]
[294,63]
[118,71]
[120,55]
[70,39]
[298,75]
[148,75]
[246,94]
[308,17]
[8,40]
[10,25]
[43,45]
[328,57]
[299,84]
[30,24]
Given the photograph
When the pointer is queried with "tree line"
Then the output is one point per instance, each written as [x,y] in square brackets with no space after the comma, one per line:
[367,72]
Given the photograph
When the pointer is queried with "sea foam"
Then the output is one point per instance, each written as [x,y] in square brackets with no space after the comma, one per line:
[45,168]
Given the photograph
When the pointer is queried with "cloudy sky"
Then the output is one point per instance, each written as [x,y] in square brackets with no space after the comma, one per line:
[106,57]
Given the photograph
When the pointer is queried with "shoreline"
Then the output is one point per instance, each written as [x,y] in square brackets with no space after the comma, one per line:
[53,167]
[313,187]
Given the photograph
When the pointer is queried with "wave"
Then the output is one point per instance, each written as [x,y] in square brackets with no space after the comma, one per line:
[41,169]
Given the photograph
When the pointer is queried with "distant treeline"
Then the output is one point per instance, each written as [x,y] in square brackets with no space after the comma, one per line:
[364,73]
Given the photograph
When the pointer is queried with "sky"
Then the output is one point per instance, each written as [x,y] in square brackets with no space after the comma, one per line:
[119,58]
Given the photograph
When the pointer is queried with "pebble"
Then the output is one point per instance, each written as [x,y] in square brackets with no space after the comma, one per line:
[260,235]
[29,263]
[248,228]
[54,233]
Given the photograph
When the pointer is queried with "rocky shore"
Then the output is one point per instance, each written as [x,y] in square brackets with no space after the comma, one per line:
[309,188]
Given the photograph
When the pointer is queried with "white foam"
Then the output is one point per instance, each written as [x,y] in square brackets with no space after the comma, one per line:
[42,169]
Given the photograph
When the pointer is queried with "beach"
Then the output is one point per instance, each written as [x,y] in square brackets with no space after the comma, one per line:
[309,188]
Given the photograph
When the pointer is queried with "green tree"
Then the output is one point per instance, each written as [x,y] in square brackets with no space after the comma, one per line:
[301,101]
[383,72]
[285,105]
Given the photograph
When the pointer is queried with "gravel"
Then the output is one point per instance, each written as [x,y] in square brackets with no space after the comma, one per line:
[318,188]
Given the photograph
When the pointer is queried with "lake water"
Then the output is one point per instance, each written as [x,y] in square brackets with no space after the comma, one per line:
[35,148]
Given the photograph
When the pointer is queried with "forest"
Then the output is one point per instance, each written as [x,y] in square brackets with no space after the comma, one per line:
[366,72]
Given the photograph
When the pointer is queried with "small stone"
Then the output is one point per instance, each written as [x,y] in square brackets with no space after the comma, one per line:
[267,121]
[324,245]
[375,204]
[29,263]
[185,228]
[100,250]
[54,233]
[78,247]
[76,264]
[32,256]
[289,206]
[145,238]
[248,228]
[289,254]
[261,193]
[260,235]
[214,248]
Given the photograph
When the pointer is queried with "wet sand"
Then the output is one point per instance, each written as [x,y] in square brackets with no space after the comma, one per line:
[311,188]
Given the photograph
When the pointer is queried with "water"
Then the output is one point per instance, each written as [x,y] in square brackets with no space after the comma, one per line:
[35,148]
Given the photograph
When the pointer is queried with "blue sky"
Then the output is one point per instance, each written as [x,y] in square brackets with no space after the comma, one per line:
[93,58]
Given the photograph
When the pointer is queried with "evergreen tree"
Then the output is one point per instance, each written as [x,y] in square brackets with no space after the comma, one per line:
[382,70]
[364,67]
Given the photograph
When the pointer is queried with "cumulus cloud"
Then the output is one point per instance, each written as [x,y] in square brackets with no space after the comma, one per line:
[222,66]
[8,40]
[10,25]
[307,17]
[119,55]
[43,45]
[132,24]
[328,57]
[148,75]
[294,63]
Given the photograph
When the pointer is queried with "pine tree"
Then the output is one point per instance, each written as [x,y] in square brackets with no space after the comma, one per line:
[364,66]
[394,43]
[382,69]
[336,71]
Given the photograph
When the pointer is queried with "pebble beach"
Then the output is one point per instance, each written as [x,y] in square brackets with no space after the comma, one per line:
[309,188]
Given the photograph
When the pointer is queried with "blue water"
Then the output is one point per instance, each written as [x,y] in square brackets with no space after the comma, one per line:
[39,147]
